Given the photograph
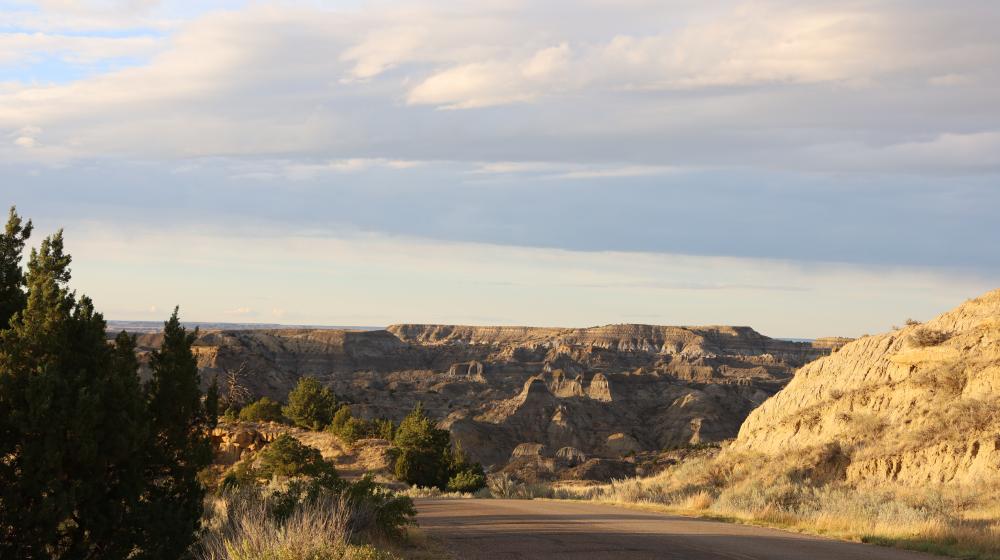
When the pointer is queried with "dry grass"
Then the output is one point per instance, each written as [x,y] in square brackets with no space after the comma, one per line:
[923,337]
[241,527]
[803,492]
[432,492]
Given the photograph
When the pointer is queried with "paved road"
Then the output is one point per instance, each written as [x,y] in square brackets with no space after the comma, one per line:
[528,530]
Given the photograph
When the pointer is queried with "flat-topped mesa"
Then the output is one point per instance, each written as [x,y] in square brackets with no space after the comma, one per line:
[651,339]
[464,334]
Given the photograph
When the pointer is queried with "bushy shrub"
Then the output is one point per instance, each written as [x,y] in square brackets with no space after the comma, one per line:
[503,486]
[422,467]
[288,457]
[384,429]
[922,337]
[418,431]
[231,414]
[257,523]
[289,503]
[346,427]
[389,512]
[264,410]
[310,404]
[467,481]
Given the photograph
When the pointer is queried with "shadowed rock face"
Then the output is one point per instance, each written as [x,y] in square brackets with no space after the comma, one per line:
[604,391]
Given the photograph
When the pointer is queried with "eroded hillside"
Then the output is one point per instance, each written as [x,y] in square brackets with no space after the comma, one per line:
[604,392]
[920,404]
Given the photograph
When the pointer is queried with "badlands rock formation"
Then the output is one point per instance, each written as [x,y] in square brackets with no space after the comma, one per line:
[917,405]
[605,392]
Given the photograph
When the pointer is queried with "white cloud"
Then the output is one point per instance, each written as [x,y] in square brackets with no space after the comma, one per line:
[303,171]
[242,311]
[556,170]
[758,83]
[24,48]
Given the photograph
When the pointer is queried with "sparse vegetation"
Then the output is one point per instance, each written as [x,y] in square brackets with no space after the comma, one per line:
[265,524]
[289,502]
[806,491]
[923,337]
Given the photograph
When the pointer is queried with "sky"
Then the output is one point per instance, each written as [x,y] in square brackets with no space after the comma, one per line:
[807,168]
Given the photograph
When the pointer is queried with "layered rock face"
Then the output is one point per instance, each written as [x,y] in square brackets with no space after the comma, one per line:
[606,392]
[917,405]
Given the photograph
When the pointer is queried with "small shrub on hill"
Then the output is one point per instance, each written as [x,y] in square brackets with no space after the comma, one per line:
[923,337]
[289,502]
[350,429]
[264,410]
[288,457]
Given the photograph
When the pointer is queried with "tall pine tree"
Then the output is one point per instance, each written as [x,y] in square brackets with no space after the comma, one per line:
[12,282]
[71,422]
[92,464]
[180,445]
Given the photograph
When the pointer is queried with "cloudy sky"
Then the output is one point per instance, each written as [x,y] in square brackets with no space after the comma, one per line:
[808,168]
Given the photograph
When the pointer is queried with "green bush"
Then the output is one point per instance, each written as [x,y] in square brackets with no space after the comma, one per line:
[231,414]
[350,429]
[303,522]
[288,457]
[391,511]
[424,468]
[384,429]
[467,481]
[292,505]
[426,458]
[310,404]
[264,410]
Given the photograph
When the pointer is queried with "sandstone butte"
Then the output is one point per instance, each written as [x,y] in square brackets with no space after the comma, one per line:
[584,399]
[917,405]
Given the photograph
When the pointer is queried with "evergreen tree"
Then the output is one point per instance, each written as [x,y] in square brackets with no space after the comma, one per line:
[71,419]
[310,404]
[179,449]
[12,282]
[425,451]
[212,403]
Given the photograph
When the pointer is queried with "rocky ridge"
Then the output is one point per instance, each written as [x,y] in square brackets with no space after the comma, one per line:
[602,393]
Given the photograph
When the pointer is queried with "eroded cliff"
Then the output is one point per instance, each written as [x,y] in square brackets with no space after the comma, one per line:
[603,392]
[919,404]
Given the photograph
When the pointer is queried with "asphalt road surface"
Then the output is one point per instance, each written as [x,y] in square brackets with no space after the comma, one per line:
[533,529]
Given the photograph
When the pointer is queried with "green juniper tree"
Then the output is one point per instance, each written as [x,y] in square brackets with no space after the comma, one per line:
[424,451]
[310,404]
[179,448]
[212,403]
[92,464]
[12,282]
[70,422]
[426,457]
